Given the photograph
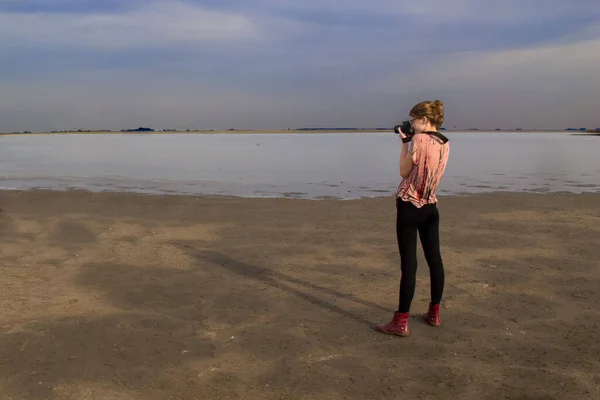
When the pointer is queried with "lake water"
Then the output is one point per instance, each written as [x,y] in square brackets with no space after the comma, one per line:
[345,166]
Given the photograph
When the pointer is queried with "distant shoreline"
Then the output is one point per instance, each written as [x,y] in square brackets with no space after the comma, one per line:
[284,131]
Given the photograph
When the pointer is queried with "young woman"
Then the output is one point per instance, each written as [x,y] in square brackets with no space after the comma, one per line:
[423,160]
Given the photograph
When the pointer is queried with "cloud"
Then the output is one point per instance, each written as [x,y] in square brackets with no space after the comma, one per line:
[550,65]
[440,11]
[507,11]
[549,85]
[547,65]
[116,108]
[272,64]
[126,103]
[152,24]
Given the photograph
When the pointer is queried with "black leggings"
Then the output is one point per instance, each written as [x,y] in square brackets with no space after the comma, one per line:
[425,220]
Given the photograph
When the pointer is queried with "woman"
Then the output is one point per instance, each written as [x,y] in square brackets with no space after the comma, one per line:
[423,160]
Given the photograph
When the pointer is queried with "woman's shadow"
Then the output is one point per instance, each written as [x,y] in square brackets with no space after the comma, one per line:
[281,281]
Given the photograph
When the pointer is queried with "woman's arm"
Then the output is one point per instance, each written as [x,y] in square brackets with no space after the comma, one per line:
[406,161]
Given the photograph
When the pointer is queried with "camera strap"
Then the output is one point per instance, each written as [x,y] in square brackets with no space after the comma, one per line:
[438,135]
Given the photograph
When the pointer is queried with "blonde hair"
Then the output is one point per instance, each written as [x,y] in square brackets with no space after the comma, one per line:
[433,110]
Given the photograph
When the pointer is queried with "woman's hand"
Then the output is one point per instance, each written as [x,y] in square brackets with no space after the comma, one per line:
[404,137]
[402,134]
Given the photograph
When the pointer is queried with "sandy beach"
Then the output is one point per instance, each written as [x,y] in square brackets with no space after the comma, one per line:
[126,296]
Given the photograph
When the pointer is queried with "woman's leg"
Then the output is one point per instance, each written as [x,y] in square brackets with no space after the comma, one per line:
[429,233]
[406,234]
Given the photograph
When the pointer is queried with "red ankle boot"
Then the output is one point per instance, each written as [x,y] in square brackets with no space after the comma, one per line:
[397,326]
[433,315]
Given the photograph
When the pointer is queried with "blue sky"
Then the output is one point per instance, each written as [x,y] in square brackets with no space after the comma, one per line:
[220,64]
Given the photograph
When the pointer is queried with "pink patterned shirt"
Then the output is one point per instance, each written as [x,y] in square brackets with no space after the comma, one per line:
[430,156]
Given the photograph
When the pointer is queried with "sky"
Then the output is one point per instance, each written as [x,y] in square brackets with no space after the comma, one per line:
[278,64]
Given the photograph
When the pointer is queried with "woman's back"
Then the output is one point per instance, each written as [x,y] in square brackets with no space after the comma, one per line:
[430,156]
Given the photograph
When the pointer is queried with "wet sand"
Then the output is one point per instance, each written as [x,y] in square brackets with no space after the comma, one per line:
[125,296]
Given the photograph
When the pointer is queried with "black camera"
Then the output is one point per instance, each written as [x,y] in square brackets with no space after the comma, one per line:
[406,128]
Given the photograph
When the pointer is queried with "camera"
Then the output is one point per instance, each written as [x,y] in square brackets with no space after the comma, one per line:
[406,128]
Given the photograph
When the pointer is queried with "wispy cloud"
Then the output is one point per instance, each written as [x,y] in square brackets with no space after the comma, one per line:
[274,64]
[436,11]
[561,61]
[549,85]
[153,24]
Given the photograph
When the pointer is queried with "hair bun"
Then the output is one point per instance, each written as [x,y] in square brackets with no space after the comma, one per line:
[433,110]
[437,112]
